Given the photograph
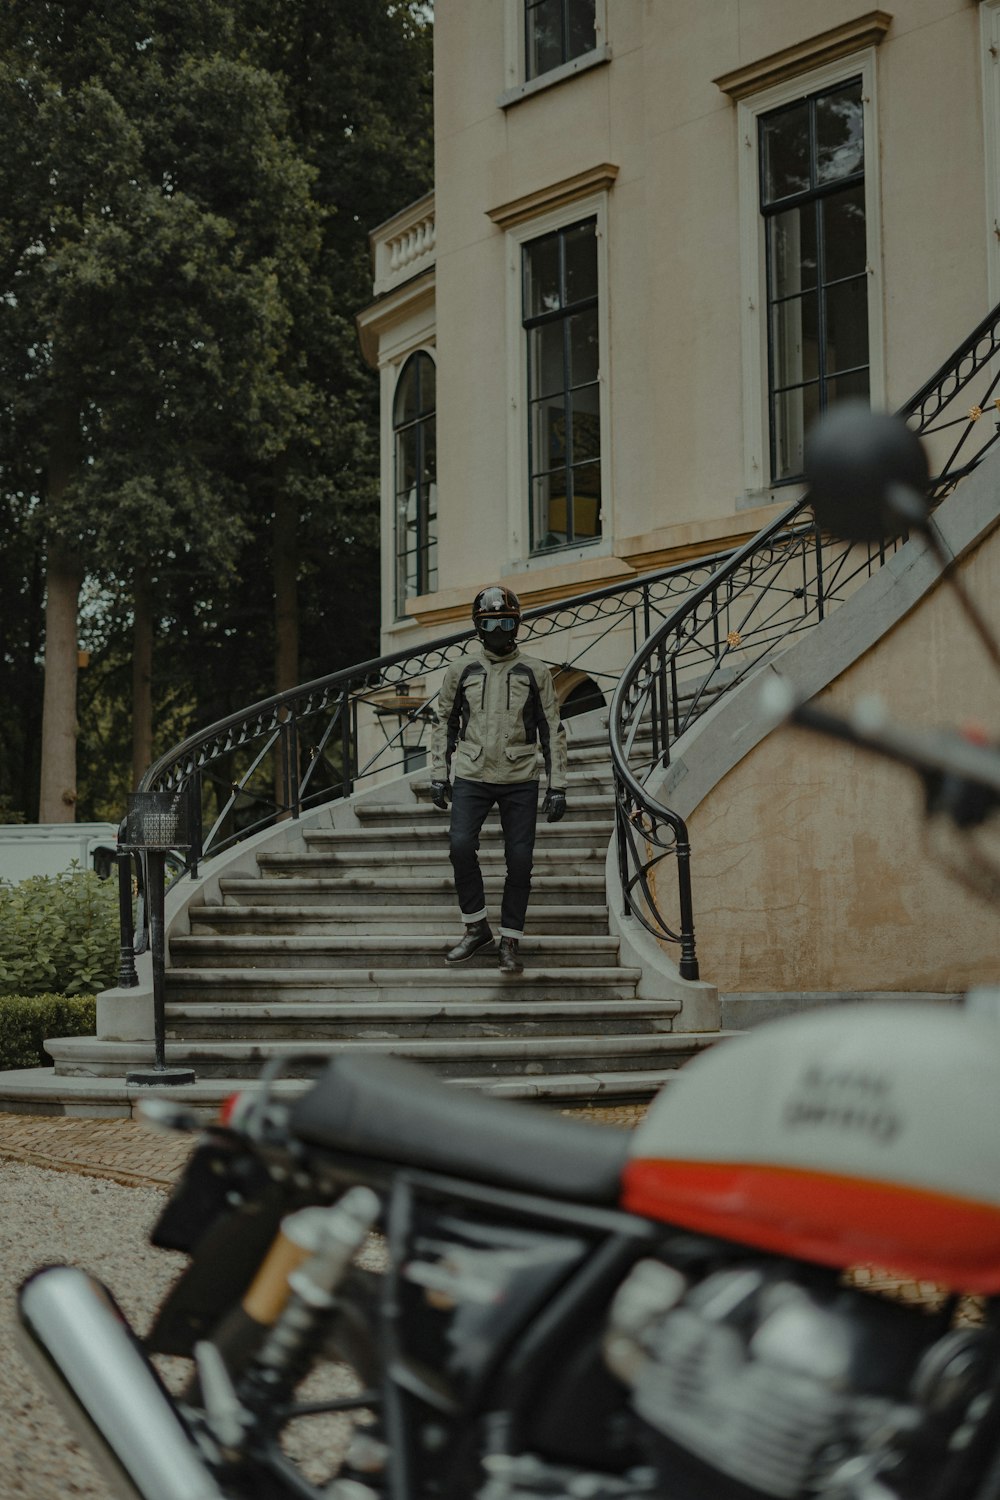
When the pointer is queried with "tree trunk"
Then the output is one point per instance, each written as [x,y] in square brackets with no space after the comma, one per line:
[286,594]
[57,795]
[142,676]
[286,627]
[64,579]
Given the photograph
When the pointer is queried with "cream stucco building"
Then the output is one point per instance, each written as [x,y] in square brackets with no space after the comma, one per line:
[759,205]
[662,237]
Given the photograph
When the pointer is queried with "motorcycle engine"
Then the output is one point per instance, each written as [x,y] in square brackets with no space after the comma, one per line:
[771,1380]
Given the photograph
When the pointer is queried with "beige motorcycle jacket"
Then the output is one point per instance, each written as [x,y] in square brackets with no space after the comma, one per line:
[497,721]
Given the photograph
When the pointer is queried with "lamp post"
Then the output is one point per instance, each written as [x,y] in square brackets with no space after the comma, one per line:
[156,822]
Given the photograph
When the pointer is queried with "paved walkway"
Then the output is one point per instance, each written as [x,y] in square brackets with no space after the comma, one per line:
[127,1151]
[130,1152]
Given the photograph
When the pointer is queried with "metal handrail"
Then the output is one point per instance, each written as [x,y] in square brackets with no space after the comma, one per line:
[317,742]
[783,581]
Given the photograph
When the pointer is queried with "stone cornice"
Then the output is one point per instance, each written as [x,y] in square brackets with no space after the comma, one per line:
[840,41]
[555,195]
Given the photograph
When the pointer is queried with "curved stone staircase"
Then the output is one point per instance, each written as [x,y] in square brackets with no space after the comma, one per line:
[332,939]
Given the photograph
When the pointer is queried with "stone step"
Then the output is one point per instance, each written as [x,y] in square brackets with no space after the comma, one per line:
[373,865]
[479,980]
[464,1057]
[417,890]
[580,807]
[381,1020]
[364,951]
[417,834]
[41,1091]
[440,920]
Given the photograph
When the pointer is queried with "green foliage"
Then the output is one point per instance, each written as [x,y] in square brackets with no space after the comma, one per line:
[58,934]
[187,189]
[26,1020]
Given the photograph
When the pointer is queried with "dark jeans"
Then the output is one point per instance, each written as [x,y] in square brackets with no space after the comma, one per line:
[518,803]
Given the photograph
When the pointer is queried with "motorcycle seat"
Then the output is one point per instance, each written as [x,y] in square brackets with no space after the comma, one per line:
[398,1111]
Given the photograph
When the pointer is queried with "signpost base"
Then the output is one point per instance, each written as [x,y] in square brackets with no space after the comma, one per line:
[146,1078]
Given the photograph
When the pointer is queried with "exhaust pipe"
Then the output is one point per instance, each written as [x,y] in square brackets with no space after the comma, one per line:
[77,1339]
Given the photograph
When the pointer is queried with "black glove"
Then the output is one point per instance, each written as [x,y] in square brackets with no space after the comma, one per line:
[554,805]
[441,794]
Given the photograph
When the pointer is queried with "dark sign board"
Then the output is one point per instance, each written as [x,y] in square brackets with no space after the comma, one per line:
[160,820]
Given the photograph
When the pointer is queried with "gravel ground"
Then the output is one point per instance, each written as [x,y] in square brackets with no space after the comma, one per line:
[103,1226]
[48,1216]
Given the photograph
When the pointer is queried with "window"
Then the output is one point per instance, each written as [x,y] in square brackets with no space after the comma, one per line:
[812,198]
[560,317]
[415,437]
[555,32]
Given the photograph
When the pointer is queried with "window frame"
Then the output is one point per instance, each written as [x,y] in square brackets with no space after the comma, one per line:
[396,429]
[519,500]
[517,85]
[759,483]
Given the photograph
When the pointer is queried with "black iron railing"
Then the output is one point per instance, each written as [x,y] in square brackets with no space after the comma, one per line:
[319,742]
[782,582]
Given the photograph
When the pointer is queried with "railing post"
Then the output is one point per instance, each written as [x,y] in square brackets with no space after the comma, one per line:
[128,978]
[292,752]
[689,960]
[194,797]
[346,779]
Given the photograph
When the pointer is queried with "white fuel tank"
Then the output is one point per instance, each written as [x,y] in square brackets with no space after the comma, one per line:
[857,1134]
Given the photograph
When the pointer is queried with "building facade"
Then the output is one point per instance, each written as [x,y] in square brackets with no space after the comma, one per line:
[662,237]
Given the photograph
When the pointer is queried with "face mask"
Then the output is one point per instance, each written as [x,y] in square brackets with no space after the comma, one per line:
[498,636]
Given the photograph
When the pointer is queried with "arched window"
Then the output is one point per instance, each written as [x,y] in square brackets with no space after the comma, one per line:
[415,432]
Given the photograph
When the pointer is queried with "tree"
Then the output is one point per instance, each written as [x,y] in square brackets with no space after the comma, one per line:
[156,208]
[186,188]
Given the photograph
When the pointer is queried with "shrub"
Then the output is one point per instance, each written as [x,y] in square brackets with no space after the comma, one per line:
[26,1020]
[58,934]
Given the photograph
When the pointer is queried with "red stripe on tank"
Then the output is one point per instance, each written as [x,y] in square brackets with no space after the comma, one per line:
[831,1220]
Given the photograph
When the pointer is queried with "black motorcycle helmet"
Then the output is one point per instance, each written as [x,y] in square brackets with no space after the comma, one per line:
[496,614]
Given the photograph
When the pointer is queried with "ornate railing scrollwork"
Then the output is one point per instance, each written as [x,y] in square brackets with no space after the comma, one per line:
[781,582]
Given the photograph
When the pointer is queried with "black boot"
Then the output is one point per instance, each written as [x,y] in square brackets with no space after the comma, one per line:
[508,959]
[477,935]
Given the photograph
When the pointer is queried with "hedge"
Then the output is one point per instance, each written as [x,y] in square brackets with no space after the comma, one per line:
[26,1020]
[59,934]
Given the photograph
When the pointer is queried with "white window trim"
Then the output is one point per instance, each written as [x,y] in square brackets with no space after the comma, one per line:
[989,28]
[753,304]
[516,86]
[593,206]
[390,369]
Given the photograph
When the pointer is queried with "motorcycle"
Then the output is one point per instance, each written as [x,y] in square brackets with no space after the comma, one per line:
[534,1306]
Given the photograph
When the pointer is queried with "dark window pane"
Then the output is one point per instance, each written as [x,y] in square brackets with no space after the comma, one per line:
[793,250]
[406,395]
[548,447]
[586,409]
[847,325]
[786,152]
[845,248]
[581,37]
[584,347]
[845,387]
[543,37]
[840,140]
[406,460]
[548,497]
[545,352]
[794,341]
[415,390]
[541,276]
[581,262]
[428,384]
[587,501]
[793,411]
[429,435]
